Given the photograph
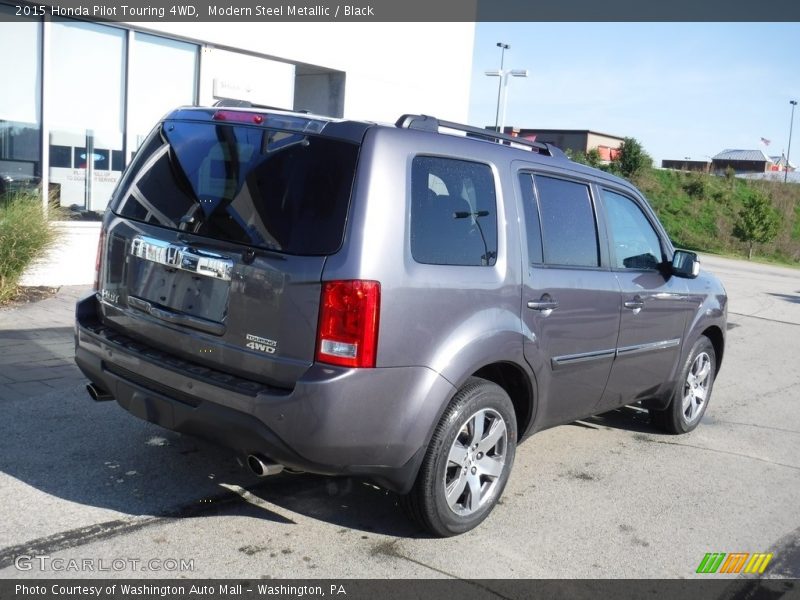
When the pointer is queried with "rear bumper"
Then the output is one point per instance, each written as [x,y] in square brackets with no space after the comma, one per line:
[365,422]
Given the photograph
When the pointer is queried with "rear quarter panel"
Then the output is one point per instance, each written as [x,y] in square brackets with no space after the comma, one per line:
[452,319]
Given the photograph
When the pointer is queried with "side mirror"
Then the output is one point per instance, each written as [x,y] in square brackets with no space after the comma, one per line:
[685,264]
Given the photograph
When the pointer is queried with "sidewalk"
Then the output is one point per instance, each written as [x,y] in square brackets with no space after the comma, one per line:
[37,347]
[71,260]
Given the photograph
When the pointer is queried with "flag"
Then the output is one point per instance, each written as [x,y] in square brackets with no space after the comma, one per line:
[765,141]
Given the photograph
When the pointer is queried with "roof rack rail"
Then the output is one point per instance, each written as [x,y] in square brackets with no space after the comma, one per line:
[232,103]
[432,124]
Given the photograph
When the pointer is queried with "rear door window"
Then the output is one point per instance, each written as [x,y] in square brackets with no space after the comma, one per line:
[569,230]
[282,191]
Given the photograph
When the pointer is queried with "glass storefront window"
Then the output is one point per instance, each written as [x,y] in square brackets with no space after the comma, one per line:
[85,98]
[85,95]
[20,102]
[163,76]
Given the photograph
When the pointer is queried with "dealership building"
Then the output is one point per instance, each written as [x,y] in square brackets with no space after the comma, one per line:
[79,97]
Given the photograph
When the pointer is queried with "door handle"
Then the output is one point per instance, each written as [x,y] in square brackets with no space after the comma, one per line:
[545,305]
[636,304]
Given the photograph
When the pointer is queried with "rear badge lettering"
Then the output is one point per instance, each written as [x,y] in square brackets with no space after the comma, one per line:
[109,296]
[261,344]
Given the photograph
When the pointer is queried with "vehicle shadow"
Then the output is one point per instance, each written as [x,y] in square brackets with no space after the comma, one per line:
[57,444]
[343,501]
[793,298]
[628,418]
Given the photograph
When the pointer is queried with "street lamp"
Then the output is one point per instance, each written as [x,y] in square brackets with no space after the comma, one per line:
[502,92]
[789,148]
[503,47]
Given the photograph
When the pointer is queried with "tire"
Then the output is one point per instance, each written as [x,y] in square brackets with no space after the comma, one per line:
[472,463]
[692,393]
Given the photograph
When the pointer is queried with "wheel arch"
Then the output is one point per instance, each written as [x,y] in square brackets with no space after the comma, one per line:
[517,384]
[714,334]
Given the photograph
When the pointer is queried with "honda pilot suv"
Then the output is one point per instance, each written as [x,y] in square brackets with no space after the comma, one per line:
[401,303]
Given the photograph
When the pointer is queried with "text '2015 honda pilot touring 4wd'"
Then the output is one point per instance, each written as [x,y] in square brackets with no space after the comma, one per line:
[403,303]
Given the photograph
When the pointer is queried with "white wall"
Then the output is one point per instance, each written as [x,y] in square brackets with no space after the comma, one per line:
[392,68]
[226,74]
[71,260]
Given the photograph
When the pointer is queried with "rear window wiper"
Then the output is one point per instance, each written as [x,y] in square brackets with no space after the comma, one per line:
[270,145]
[248,253]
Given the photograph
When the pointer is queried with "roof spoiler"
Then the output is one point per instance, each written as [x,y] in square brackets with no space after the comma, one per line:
[433,125]
[232,103]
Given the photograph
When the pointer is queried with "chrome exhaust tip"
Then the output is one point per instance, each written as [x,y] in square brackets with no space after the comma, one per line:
[98,394]
[262,466]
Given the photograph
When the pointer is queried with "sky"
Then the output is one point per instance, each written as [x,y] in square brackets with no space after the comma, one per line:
[681,89]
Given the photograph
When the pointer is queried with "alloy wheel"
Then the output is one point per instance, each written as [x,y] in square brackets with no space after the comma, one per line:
[475,462]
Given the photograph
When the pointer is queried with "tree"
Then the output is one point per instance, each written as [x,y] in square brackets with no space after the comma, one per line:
[591,158]
[632,158]
[578,157]
[758,222]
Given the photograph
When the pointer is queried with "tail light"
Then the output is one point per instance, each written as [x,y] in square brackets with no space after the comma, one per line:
[348,323]
[98,261]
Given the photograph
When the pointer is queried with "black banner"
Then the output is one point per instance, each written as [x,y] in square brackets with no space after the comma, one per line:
[364,589]
[269,11]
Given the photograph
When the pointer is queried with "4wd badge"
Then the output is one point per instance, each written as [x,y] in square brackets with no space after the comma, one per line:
[261,344]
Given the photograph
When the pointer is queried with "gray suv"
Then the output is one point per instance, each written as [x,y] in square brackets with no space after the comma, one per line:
[402,303]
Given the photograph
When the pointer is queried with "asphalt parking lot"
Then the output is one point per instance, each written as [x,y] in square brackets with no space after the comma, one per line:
[609,497]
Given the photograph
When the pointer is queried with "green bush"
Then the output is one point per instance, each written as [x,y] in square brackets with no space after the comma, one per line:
[696,187]
[25,234]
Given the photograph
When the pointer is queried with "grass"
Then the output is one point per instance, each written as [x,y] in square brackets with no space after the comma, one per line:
[25,234]
[699,212]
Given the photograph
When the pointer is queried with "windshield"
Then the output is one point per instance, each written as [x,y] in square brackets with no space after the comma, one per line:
[278,190]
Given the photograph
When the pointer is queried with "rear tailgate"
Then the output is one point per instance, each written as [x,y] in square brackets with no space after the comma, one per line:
[218,241]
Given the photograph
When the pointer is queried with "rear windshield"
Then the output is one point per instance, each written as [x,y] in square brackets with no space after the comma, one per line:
[278,190]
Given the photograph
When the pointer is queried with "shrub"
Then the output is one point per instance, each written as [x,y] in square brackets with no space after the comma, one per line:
[695,187]
[25,234]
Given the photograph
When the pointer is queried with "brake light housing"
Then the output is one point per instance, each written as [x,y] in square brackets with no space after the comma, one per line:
[237,117]
[98,260]
[271,120]
[349,315]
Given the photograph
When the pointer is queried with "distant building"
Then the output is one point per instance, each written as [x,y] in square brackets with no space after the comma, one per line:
[779,164]
[577,140]
[741,161]
[791,176]
[687,164]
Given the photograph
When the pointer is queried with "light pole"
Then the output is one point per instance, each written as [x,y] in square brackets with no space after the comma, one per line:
[789,148]
[503,47]
[502,92]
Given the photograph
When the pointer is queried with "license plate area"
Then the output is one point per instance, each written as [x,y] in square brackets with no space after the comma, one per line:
[183,280]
